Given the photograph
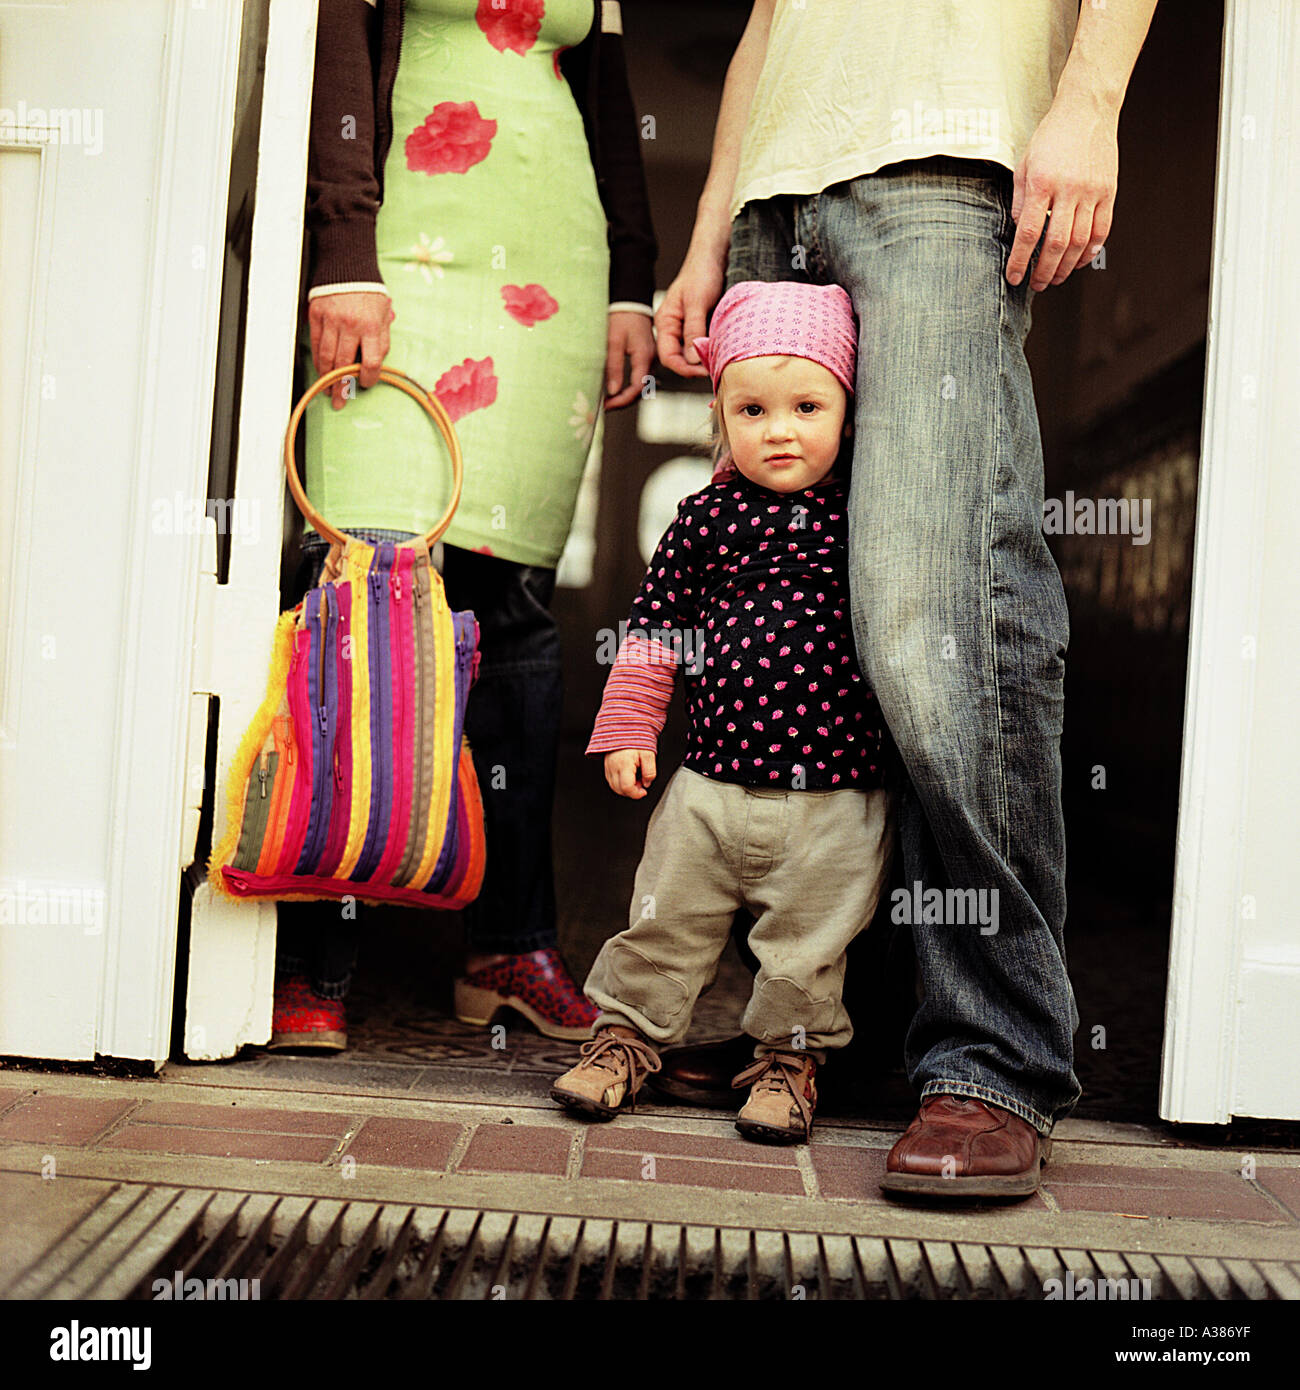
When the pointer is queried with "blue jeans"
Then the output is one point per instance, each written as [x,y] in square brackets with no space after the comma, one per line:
[512,721]
[959,614]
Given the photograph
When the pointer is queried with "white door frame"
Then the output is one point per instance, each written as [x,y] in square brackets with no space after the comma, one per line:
[232,944]
[1219,993]
[175,414]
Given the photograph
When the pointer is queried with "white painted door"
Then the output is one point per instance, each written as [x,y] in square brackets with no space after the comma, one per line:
[1232,1017]
[115,126]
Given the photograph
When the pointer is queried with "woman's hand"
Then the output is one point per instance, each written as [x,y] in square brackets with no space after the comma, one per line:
[631,338]
[342,323]
[622,766]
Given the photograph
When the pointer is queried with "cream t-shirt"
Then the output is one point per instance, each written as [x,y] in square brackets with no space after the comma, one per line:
[849,86]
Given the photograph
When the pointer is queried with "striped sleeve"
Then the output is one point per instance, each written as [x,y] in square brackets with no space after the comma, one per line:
[638,692]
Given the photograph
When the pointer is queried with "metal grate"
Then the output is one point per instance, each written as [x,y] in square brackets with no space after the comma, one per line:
[203,1243]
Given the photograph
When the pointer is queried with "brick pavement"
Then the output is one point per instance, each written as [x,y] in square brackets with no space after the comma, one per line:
[1198,1185]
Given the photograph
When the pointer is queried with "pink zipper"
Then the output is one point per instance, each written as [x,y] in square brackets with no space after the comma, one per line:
[295,831]
[402,666]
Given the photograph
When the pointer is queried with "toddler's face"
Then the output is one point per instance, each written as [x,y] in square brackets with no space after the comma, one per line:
[783,418]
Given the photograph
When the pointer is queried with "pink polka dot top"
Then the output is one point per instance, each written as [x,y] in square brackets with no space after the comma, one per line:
[752,588]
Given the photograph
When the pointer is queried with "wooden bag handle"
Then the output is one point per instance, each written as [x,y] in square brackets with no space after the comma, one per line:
[433,408]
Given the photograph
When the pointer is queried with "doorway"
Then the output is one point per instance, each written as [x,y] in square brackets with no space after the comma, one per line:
[1118,360]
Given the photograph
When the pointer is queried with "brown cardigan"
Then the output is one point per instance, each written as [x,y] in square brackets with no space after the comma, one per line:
[357,49]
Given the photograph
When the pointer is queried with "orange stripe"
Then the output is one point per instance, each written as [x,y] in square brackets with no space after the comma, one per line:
[280,797]
[468,890]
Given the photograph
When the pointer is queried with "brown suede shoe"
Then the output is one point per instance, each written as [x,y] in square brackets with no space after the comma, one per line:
[700,1074]
[613,1069]
[959,1147]
[782,1098]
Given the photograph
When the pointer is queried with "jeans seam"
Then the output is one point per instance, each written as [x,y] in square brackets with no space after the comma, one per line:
[1004,828]
[975,1091]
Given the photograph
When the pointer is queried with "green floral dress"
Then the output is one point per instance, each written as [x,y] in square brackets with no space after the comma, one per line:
[492,243]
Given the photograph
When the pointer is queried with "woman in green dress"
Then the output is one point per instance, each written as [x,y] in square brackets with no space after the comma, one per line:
[476,214]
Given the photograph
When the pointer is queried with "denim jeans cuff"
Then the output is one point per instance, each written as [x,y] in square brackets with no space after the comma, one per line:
[977,1092]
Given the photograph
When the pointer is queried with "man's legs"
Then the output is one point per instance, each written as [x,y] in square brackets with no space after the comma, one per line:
[960,617]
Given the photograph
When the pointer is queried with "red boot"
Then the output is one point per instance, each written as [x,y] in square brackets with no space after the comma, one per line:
[301,1018]
[538,986]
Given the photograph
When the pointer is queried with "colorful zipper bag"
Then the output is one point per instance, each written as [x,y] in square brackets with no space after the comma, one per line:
[354,779]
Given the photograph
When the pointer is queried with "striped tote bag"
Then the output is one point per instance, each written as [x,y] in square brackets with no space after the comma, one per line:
[354,779]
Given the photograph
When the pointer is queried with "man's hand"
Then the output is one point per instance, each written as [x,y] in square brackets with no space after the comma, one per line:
[684,312]
[342,323]
[1071,168]
[630,339]
[621,770]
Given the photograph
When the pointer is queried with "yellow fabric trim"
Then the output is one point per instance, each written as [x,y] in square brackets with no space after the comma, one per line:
[250,747]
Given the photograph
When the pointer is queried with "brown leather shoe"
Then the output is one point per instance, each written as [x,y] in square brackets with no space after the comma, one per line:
[701,1073]
[959,1147]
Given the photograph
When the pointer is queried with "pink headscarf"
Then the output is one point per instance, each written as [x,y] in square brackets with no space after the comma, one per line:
[787,318]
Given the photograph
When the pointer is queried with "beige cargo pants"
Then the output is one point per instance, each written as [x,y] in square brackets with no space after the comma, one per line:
[810,867]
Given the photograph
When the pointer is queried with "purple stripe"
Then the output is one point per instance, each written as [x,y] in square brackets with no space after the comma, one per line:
[381,713]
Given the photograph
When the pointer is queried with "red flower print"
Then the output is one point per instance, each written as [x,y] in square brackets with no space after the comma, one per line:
[453,138]
[510,24]
[470,386]
[483,550]
[555,61]
[528,304]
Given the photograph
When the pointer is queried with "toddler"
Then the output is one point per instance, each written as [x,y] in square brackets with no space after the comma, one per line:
[779,804]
